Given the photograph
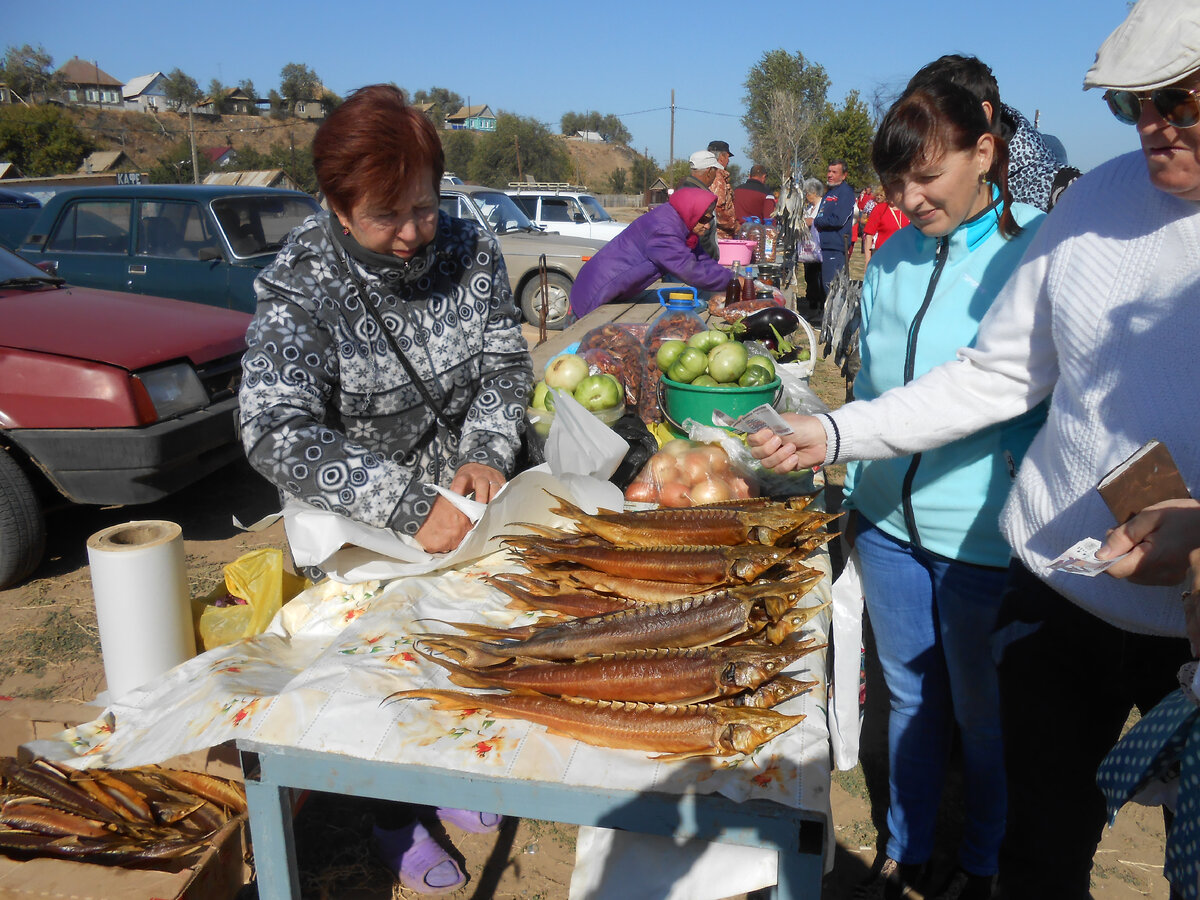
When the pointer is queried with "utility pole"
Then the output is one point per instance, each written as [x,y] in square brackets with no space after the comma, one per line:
[671,161]
[192,137]
[517,145]
[646,176]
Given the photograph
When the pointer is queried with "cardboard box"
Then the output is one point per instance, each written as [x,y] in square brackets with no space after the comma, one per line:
[217,873]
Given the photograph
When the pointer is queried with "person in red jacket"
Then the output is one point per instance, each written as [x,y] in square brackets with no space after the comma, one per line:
[883,221]
[753,199]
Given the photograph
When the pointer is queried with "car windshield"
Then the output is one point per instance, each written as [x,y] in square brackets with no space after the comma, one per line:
[258,224]
[16,272]
[595,211]
[501,213]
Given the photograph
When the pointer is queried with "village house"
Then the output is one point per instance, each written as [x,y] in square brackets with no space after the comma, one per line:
[86,84]
[146,93]
[472,118]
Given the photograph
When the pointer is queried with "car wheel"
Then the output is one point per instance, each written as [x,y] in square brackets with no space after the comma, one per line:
[22,529]
[558,307]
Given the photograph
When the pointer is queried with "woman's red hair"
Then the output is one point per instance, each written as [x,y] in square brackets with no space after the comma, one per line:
[375,144]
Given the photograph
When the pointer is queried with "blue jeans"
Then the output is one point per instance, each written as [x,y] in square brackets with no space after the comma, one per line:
[933,619]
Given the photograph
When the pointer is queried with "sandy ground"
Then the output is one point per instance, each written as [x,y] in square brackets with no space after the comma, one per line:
[49,649]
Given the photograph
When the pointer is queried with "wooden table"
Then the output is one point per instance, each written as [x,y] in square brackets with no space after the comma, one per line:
[626,313]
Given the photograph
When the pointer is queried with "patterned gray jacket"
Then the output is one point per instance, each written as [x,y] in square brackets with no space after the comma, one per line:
[329,414]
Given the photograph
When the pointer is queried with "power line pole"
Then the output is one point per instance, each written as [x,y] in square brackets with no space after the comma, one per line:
[192,137]
[671,161]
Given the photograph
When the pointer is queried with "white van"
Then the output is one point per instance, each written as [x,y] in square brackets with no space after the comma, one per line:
[565,208]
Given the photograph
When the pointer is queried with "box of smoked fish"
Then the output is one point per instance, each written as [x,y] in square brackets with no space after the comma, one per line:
[215,866]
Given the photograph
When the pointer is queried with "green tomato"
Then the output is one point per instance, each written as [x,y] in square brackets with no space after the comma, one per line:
[704,380]
[727,361]
[706,340]
[764,361]
[755,376]
[727,384]
[668,352]
[804,356]
[690,365]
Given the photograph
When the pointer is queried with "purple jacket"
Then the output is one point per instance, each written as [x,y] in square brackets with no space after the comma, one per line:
[655,245]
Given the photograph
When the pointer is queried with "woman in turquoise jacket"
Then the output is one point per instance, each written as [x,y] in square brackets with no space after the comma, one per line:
[932,558]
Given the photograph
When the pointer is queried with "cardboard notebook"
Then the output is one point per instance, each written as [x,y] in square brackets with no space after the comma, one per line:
[1148,476]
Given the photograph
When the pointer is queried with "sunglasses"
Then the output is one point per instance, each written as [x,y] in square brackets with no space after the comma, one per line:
[1177,106]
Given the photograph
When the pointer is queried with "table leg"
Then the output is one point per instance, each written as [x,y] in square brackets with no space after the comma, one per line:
[271,832]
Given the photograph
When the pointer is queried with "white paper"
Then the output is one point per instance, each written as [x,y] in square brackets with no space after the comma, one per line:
[845,714]
[352,552]
[580,444]
[139,581]
[1081,559]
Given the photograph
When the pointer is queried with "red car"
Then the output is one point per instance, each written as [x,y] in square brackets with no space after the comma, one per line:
[105,398]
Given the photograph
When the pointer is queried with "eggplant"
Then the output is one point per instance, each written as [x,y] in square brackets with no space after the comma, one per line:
[758,325]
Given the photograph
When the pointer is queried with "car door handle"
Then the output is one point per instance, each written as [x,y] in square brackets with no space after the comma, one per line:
[137,270]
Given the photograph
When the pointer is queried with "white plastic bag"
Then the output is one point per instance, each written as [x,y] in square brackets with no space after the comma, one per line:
[845,710]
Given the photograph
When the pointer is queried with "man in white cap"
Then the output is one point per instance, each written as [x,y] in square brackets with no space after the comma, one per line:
[704,168]
[1101,315]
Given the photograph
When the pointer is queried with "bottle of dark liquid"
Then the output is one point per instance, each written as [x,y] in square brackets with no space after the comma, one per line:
[748,288]
[733,292]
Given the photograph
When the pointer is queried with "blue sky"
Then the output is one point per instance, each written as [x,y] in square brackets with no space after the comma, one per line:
[542,59]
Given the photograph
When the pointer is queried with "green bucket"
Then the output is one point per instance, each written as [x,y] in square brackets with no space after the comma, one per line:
[679,401]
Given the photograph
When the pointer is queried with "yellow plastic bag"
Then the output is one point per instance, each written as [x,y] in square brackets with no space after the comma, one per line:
[256,577]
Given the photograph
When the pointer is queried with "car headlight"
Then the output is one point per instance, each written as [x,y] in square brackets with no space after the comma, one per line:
[173,389]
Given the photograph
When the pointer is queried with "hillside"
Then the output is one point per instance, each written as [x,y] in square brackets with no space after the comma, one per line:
[145,138]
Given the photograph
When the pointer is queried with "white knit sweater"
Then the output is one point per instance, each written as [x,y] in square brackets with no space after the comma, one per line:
[1104,311]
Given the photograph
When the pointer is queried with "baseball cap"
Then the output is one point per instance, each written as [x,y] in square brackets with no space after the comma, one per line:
[704,159]
[719,147]
[1156,45]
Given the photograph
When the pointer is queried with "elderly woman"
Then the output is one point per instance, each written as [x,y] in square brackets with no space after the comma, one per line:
[814,288]
[1083,312]
[386,358]
[663,242]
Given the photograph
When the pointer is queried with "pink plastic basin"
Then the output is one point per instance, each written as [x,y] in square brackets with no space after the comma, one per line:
[736,252]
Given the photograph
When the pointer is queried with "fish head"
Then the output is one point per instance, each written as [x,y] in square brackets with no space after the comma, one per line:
[747,729]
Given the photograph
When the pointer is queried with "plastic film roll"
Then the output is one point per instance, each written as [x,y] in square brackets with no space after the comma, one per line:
[139,582]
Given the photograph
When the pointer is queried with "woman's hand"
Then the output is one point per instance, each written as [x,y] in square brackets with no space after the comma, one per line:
[1158,541]
[446,526]
[484,481]
[804,448]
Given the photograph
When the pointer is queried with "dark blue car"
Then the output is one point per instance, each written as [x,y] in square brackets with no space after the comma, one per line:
[204,243]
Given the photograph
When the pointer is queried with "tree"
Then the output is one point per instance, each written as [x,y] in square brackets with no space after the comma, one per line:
[181,90]
[445,103]
[298,82]
[519,146]
[609,127]
[616,180]
[29,72]
[785,104]
[276,103]
[297,162]
[643,173]
[790,143]
[458,147]
[847,134]
[41,140]
[175,166]
[216,93]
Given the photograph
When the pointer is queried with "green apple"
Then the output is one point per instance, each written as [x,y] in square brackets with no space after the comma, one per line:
[668,352]
[566,371]
[540,394]
[598,392]
[727,361]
